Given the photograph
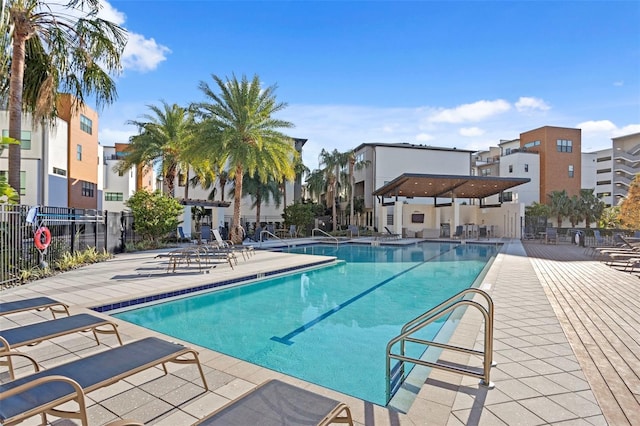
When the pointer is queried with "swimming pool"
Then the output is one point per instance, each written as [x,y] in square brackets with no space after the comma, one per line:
[330,325]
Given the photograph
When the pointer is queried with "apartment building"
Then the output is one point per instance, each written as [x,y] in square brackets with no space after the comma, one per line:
[44,170]
[625,164]
[115,188]
[387,161]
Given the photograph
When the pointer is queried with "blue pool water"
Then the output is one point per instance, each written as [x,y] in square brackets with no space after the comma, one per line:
[328,326]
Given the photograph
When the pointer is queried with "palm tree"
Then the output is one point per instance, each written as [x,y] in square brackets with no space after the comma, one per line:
[354,164]
[333,162]
[260,192]
[592,206]
[316,184]
[74,50]
[163,138]
[559,205]
[238,130]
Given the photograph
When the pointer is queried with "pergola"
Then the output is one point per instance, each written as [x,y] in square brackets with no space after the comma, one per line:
[413,185]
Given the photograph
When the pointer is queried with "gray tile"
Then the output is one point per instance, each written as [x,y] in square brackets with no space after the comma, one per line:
[513,413]
[548,410]
[577,405]
[127,401]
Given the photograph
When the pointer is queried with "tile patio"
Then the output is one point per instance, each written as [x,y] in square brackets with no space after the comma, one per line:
[567,345]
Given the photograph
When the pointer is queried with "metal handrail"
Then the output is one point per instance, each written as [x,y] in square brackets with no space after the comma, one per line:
[274,236]
[434,314]
[313,234]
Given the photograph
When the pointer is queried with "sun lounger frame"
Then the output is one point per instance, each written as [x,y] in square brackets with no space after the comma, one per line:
[340,413]
[37,303]
[93,326]
[78,393]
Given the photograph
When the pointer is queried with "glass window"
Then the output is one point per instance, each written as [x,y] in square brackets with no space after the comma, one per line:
[88,189]
[570,171]
[86,125]
[25,138]
[61,172]
[564,145]
[526,167]
[113,196]
[79,152]
[485,172]
[510,168]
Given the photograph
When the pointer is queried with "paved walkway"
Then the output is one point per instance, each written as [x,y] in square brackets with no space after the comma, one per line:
[566,339]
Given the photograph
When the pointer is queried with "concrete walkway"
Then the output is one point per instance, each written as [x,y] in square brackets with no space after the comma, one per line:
[566,339]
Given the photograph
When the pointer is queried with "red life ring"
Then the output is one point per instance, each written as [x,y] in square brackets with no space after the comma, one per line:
[42,238]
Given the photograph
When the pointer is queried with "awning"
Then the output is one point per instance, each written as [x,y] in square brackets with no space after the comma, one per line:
[447,186]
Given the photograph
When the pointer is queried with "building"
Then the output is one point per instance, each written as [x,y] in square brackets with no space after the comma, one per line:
[560,159]
[116,188]
[44,170]
[625,164]
[386,161]
[82,152]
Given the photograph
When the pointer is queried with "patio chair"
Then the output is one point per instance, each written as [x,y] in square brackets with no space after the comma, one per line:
[551,236]
[275,403]
[459,231]
[205,233]
[390,234]
[36,303]
[228,245]
[353,230]
[293,231]
[482,232]
[41,392]
[32,334]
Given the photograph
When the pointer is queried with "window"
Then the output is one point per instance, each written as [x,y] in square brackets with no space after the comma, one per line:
[507,151]
[603,171]
[61,172]
[510,168]
[88,189]
[113,196]
[506,197]
[389,219]
[526,167]
[86,125]
[570,170]
[531,144]
[603,194]
[601,159]
[603,182]
[25,138]
[564,145]
[23,180]
[485,172]
[79,152]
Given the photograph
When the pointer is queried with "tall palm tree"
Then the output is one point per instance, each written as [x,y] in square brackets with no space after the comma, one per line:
[238,129]
[316,184]
[333,162]
[75,51]
[354,164]
[162,139]
[592,206]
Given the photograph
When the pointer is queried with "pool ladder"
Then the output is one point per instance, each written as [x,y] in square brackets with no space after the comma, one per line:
[395,376]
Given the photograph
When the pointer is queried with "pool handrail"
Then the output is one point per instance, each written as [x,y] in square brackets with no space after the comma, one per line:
[313,234]
[427,318]
[264,231]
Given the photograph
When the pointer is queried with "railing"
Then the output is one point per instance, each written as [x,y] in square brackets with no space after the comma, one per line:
[266,232]
[395,377]
[313,234]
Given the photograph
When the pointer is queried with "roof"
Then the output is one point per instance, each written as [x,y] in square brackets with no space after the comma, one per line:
[409,146]
[203,203]
[446,186]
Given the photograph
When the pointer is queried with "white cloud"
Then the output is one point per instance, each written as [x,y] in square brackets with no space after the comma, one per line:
[618,83]
[627,130]
[109,13]
[529,104]
[142,54]
[471,131]
[597,126]
[474,112]
[423,137]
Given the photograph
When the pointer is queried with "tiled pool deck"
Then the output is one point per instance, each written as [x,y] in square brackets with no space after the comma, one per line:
[567,344]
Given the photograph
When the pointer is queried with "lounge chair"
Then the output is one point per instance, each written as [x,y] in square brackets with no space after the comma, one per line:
[37,303]
[459,231]
[353,230]
[391,235]
[43,391]
[551,236]
[32,334]
[228,245]
[275,403]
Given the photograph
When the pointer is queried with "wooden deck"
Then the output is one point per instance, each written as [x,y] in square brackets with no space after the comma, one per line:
[598,308]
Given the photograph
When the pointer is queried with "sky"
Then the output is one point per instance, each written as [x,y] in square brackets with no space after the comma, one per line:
[463,74]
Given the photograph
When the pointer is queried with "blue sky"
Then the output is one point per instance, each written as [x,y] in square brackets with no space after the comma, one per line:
[452,74]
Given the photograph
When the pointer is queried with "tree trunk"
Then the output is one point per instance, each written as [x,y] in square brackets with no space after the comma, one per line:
[15,100]
[237,199]
[333,205]
[186,185]
[258,206]
[352,162]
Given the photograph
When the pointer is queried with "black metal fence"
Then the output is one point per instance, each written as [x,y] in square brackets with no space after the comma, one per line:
[70,230]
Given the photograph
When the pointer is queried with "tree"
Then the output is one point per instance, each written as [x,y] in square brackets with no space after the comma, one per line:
[163,137]
[559,205]
[609,219]
[238,130]
[154,214]
[333,162]
[630,208]
[316,184]
[592,207]
[298,214]
[7,193]
[260,192]
[354,164]
[72,50]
